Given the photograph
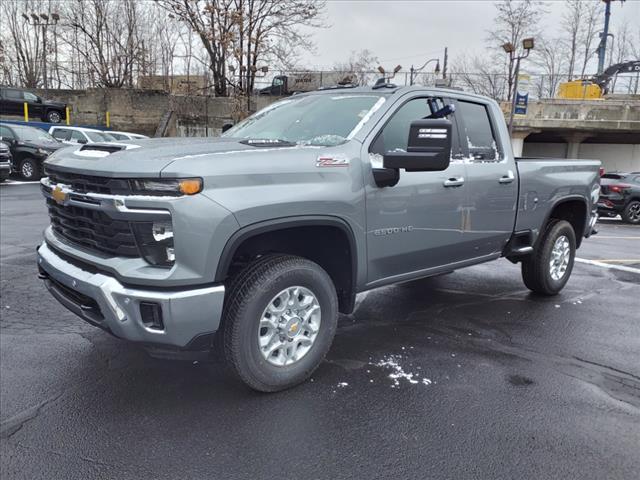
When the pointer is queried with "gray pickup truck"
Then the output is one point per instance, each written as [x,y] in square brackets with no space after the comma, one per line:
[252,243]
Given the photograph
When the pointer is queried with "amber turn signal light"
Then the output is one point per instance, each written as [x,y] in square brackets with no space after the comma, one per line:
[191,186]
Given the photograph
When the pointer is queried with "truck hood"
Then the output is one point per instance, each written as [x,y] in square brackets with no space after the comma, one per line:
[138,158]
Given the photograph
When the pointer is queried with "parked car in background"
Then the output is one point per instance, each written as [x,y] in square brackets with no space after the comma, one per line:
[29,147]
[12,102]
[5,161]
[620,195]
[75,135]
[126,135]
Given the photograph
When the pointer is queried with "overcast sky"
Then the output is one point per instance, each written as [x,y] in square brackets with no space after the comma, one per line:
[406,32]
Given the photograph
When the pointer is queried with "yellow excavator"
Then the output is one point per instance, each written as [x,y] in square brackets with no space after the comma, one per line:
[597,86]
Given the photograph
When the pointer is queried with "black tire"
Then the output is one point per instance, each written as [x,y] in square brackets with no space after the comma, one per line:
[249,294]
[54,116]
[29,169]
[631,213]
[536,269]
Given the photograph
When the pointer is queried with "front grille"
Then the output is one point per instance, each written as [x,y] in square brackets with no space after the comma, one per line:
[92,229]
[90,184]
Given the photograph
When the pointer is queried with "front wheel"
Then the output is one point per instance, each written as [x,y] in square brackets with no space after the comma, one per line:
[29,169]
[280,317]
[631,213]
[549,267]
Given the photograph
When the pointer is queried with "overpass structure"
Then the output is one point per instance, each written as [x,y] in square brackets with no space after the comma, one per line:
[607,130]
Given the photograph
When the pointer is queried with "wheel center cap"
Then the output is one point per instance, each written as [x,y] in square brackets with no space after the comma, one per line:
[292,327]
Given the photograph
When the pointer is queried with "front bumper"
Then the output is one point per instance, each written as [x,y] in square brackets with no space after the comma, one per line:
[190,316]
[5,170]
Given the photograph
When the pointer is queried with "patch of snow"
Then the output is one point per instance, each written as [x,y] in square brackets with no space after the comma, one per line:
[557,306]
[343,384]
[391,362]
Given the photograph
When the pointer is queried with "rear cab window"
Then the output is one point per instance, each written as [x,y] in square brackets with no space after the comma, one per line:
[477,133]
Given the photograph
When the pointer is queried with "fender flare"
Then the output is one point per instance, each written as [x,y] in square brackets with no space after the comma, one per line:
[258,228]
[560,201]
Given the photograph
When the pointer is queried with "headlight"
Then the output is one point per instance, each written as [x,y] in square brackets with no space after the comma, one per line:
[42,152]
[595,194]
[170,186]
[155,242]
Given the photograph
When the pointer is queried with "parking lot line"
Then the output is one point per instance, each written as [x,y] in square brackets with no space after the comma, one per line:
[600,263]
[614,237]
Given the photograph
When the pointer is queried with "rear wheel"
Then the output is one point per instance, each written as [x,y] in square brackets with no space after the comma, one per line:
[279,320]
[29,169]
[631,213]
[549,267]
[53,116]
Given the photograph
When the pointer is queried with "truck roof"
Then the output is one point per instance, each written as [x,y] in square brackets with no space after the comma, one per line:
[390,89]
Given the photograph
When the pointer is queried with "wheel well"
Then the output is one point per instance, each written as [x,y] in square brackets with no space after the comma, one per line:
[574,212]
[328,246]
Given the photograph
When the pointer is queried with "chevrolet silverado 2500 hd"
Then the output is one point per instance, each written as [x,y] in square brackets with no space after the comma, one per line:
[253,242]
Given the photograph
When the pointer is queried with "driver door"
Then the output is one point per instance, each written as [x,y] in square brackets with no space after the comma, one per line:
[415,227]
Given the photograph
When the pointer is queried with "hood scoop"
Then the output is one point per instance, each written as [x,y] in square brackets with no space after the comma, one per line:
[99,150]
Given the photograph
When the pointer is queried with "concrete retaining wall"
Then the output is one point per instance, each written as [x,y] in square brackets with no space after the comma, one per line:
[140,111]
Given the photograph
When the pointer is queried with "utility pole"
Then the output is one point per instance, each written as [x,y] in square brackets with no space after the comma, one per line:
[444,64]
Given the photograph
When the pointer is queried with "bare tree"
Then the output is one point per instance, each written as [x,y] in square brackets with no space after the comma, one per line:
[572,22]
[360,63]
[552,60]
[480,75]
[24,39]
[589,31]
[514,21]
[245,32]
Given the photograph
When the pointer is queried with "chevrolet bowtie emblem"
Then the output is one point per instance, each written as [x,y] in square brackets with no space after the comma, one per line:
[59,195]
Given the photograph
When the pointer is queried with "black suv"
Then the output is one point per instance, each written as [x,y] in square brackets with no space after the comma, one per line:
[29,147]
[620,195]
[12,103]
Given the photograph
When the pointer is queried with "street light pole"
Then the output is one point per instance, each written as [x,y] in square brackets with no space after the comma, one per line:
[42,20]
[527,45]
[413,71]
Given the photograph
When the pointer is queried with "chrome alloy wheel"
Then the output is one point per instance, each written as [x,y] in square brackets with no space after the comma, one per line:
[289,326]
[560,256]
[634,212]
[27,170]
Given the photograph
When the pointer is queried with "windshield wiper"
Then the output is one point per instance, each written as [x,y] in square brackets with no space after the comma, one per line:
[268,142]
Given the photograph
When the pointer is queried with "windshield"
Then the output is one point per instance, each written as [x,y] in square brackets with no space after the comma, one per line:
[31,134]
[310,120]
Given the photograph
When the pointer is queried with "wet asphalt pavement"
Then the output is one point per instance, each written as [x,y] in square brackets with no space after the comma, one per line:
[467,375]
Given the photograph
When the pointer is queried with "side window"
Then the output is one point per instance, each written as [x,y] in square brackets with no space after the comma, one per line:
[478,132]
[77,136]
[6,133]
[12,95]
[30,97]
[395,134]
[61,134]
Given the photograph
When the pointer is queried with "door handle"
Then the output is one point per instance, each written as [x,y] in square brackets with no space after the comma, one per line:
[508,178]
[454,182]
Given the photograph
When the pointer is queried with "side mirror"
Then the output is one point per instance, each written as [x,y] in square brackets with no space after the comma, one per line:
[82,141]
[226,127]
[428,150]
